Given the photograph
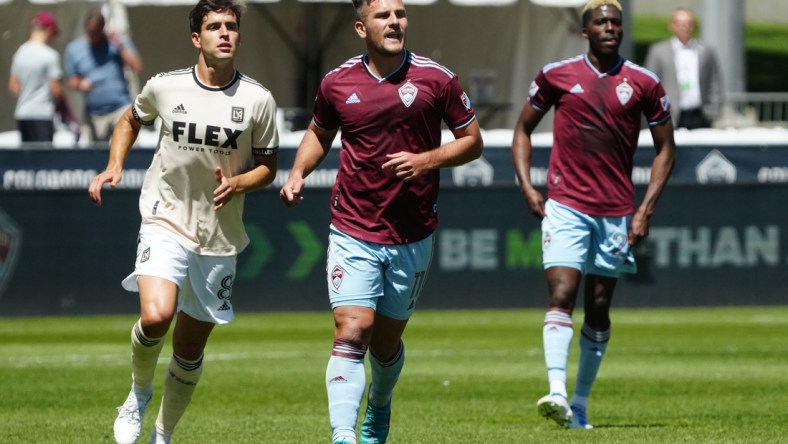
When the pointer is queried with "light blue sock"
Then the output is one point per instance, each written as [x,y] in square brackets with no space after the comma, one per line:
[385,376]
[345,385]
[557,337]
[592,349]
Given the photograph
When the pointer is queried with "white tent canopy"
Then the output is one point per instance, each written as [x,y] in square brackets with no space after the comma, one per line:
[553,3]
[288,45]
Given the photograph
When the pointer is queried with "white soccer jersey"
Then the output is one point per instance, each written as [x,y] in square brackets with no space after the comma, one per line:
[202,127]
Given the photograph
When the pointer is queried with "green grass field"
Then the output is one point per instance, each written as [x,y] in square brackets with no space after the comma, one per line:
[671,376]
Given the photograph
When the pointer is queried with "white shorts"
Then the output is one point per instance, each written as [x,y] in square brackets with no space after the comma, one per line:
[204,282]
[386,278]
[592,244]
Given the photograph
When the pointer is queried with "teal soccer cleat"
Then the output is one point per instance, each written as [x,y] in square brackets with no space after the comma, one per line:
[375,428]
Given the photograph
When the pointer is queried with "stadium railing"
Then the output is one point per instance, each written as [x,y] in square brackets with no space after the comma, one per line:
[747,109]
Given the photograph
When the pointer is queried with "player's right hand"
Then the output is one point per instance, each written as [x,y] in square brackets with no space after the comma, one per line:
[290,194]
[535,202]
[105,177]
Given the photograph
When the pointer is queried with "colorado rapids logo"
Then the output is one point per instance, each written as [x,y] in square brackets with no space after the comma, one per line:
[337,274]
[624,92]
[407,93]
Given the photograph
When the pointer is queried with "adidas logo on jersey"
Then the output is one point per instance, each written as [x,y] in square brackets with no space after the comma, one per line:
[577,89]
[352,99]
[179,109]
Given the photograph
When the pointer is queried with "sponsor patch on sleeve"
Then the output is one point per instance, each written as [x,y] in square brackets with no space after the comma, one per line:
[664,101]
[265,151]
[533,89]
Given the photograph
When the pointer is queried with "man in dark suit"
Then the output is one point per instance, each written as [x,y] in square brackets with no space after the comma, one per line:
[689,72]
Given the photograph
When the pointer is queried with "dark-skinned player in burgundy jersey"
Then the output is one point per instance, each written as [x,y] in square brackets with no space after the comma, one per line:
[589,221]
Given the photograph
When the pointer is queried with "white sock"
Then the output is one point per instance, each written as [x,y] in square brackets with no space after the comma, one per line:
[346,381]
[179,385]
[144,355]
[557,335]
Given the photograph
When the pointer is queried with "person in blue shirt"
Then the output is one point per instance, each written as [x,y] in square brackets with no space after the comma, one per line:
[95,65]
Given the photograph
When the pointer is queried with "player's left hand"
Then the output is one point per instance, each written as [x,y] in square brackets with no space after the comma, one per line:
[224,191]
[407,166]
[112,178]
[638,229]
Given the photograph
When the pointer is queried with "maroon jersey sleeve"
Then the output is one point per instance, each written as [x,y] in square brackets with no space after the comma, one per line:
[541,93]
[457,109]
[656,106]
[324,114]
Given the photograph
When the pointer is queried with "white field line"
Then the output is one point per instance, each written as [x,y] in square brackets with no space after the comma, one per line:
[91,360]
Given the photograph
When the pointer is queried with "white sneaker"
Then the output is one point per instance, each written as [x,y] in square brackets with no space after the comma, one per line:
[579,418]
[128,424]
[156,438]
[554,406]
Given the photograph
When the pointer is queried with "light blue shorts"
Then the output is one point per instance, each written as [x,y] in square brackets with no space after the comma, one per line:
[592,244]
[204,283]
[386,278]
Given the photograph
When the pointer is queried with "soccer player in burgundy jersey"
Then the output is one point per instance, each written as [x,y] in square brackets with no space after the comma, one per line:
[589,222]
[389,105]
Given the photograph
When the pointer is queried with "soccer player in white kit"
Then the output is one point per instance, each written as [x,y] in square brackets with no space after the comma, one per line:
[218,140]
[389,105]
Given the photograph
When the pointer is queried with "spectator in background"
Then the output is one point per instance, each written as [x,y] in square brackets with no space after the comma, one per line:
[689,72]
[94,66]
[36,80]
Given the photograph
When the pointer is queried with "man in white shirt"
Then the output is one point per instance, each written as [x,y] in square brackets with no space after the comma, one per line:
[36,80]
[689,72]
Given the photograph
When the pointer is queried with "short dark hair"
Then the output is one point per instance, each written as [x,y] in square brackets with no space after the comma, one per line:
[203,7]
[95,15]
[358,4]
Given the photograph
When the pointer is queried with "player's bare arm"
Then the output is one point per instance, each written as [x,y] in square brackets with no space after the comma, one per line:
[661,168]
[521,156]
[259,176]
[123,137]
[13,85]
[312,150]
[466,147]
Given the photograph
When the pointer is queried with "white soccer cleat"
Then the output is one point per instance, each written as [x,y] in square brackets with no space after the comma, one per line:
[128,424]
[579,418]
[554,406]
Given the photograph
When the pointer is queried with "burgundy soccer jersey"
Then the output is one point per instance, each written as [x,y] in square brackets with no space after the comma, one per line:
[596,129]
[380,116]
